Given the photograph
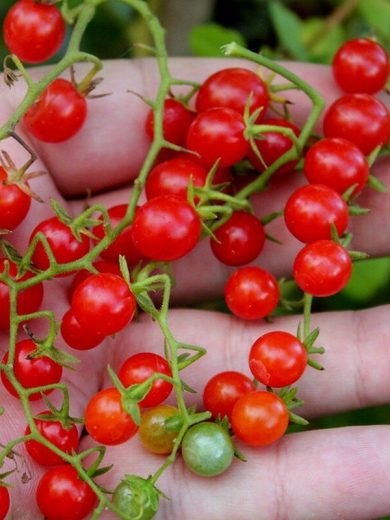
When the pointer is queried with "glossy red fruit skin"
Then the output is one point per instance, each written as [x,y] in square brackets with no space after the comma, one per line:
[4,502]
[58,114]
[66,248]
[166,228]
[28,300]
[361,66]
[32,31]
[123,244]
[138,368]
[240,240]
[337,163]
[251,293]
[322,268]
[76,336]
[223,391]
[259,418]
[231,88]
[14,203]
[312,209]
[32,372]
[273,145]
[66,440]
[62,495]
[176,121]
[103,266]
[218,134]
[172,178]
[277,359]
[103,303]
[106,421]
[359,118]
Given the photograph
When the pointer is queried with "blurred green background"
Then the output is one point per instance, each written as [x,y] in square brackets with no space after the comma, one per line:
[306,30]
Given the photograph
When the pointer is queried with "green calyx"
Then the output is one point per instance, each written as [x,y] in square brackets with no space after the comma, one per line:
[136,498]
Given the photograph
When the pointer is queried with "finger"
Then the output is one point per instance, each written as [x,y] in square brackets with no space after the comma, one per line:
[357,360]
[319,474]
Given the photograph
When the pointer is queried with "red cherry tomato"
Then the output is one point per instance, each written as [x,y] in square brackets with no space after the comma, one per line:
[33,31]
[103,266]
[337,163]
[166,228]
[76,336]
[106,420]
[123,244]
[251,293]
[62,495]
[218,134]
[240,240]
[359,118]
[272,145]
[4,502]
[67,440]
[66,248]
[322,268]
[58,114]
[361,66]
[14,203]
[277,359]
[28,300]
[140,367]
[312,209]
[223,391]
[259,418]
[176,121]
[103,303]
[232,88]
[31,372]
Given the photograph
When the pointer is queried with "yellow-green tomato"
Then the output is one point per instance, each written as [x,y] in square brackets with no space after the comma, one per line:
[207,449]
[152,432]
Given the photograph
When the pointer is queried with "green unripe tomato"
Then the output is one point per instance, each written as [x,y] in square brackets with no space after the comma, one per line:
[207,449]
[136,498]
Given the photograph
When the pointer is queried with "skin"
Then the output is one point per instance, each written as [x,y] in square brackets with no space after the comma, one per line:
[317,474]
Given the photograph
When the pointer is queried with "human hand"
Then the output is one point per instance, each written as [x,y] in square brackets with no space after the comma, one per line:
[324,474]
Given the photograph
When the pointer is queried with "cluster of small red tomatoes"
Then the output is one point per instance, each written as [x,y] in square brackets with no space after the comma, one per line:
[168,226]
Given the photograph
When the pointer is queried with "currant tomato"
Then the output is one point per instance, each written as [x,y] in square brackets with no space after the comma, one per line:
[337,163]
[76,336]
[240,240]
[140,367]
[361,66]
[123,244]
[67,440]
[207,449]
[166,228]
[272,145]
[4,502]
[32,31]
[359,118]
[152,432]
[31,372]
[62,495]
[106,421]
[322,268]
[64,245]
[277,359]
[172,178]
[223,391]
[14,203]
[58,114]
[312,209]
[103,303]
[102,266]
[251,293]
[233,88]
[259,418]
[218,134]
[176,121]
[28,300]
[136,498]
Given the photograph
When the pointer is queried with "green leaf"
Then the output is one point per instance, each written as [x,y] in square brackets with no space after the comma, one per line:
[207,39]
[322,49]
[376,276]
[377,15]
[288,27]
